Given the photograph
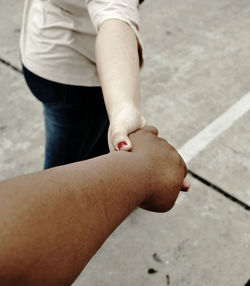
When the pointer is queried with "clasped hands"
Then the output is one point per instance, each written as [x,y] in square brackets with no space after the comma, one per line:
[128,132]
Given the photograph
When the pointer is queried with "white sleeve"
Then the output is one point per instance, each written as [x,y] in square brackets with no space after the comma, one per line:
[125,10]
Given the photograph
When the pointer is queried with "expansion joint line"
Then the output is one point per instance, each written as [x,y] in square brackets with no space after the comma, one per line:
[8,64]
[219,190]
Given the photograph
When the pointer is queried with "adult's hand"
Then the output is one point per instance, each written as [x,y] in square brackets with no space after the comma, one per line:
[164,169]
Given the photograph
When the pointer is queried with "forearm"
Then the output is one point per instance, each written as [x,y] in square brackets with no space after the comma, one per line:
[118,65]
[52,222]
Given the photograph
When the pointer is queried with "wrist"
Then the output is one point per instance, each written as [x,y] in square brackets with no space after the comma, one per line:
[131,175]
[126,108]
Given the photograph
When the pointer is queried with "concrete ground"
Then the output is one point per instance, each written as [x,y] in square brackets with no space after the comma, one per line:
[195,89]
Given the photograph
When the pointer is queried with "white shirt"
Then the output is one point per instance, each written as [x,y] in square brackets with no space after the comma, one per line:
[58,36]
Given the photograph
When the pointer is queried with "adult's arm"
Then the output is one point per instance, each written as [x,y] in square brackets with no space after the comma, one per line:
[52,222]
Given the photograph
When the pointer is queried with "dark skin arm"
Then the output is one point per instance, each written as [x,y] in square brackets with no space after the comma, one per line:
[52,222]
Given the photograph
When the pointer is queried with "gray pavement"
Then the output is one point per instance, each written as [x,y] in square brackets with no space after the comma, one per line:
[203,241]
[197,65]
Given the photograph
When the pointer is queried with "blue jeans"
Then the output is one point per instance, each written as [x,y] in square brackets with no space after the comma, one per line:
[76,120]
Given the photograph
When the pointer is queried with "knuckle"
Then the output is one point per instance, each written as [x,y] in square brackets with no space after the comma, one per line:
[162,142]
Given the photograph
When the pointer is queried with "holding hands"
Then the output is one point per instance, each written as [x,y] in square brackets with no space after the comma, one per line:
[122,136]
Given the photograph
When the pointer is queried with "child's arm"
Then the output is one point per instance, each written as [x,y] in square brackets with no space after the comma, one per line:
[118,68]
[118,58]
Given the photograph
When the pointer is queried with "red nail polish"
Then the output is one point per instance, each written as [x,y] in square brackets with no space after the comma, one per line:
[121,144]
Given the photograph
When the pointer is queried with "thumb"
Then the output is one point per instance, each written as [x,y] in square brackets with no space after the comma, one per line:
[118,138]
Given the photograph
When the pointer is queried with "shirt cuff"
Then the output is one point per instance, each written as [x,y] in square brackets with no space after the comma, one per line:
[126,11]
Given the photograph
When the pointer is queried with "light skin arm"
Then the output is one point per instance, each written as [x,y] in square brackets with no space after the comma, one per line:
[117,60]
[52,222]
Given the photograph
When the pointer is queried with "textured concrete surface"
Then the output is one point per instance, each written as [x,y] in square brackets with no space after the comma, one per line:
[10,25]
[196,66]
[21,126]
[203,241]
[226,162]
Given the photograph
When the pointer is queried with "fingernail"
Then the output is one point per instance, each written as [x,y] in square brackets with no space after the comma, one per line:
[122,144]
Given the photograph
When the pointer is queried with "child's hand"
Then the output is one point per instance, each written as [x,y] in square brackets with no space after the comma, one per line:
[122,124]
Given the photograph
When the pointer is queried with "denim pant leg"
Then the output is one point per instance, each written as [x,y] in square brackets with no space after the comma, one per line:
[75,129]
[76,121]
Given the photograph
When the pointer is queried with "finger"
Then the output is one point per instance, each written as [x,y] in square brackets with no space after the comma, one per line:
[151,129]
[119,139]
[186,185]
[124,144]
[119,134]
[111,148]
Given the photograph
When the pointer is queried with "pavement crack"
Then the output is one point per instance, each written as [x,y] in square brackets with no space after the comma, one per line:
[8,64]
[248,283]
[219,190]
